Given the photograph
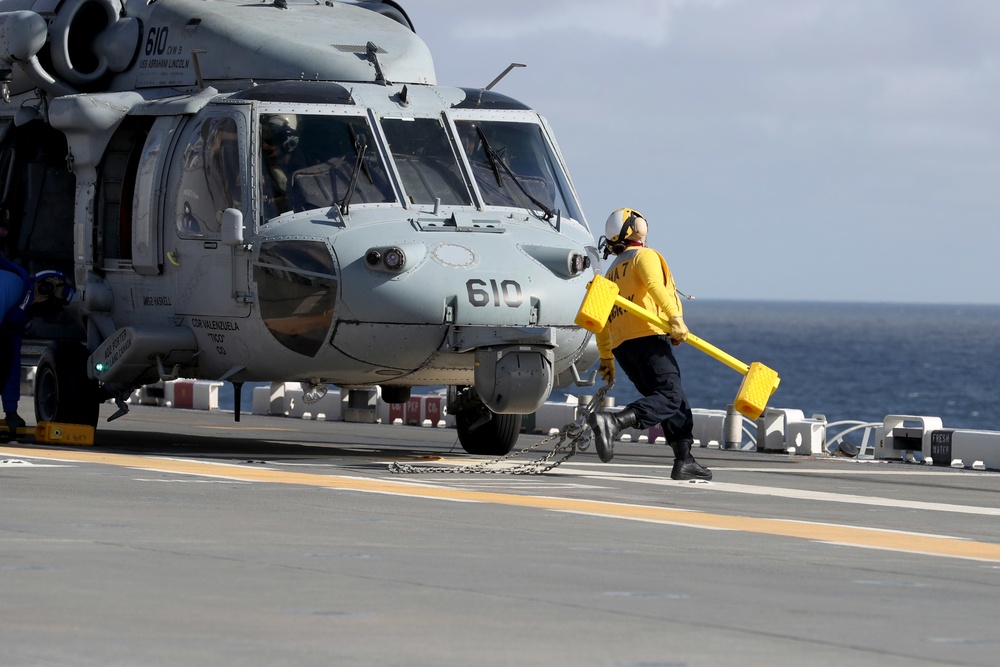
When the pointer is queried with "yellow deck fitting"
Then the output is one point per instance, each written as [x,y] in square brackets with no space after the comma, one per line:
[53,433]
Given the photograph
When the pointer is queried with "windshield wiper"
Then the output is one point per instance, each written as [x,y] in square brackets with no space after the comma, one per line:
[491,156]
[496,160]
[364,161]
[360,144]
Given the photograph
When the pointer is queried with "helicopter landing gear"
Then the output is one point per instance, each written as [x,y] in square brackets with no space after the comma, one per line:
[481,431]
[63,392]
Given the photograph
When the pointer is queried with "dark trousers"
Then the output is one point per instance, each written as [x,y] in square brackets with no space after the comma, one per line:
[10,369]
[650,364]
[10,355]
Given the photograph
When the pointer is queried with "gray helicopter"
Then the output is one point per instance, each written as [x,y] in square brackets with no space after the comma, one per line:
[280,191]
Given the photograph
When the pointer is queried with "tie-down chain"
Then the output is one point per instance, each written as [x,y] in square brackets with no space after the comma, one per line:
[570,439]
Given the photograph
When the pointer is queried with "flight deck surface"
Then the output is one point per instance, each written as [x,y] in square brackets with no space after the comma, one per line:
[182,537]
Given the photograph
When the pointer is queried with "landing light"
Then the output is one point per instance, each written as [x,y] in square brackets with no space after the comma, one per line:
[312,392]
[579,263]
[391,259]
[394,259]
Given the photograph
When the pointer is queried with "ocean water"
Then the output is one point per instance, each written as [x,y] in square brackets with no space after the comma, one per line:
[850,360]
[841,360]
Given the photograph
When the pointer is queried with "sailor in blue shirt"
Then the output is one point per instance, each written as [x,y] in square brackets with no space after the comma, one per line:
[23,296]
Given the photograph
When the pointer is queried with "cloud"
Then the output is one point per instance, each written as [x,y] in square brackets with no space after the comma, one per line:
[642,22]
[792,131]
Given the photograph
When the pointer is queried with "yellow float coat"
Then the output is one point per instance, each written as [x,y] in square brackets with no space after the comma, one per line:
[643,278]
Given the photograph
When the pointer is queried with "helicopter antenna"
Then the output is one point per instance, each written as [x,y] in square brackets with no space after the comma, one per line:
[502,75]
[197,66]
[371,54]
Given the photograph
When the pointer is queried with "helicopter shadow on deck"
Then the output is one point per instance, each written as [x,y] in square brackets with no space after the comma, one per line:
[263,447]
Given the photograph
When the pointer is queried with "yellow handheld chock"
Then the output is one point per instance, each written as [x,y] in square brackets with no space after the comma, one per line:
[54,433]
[758,385]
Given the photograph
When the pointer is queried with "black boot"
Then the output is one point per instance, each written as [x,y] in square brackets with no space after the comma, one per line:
[685,467]
[14,422]
[606,426]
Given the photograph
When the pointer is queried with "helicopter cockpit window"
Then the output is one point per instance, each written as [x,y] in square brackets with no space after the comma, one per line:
[335,163]
[280,157]
[210,179]
[513,166]
[426,161]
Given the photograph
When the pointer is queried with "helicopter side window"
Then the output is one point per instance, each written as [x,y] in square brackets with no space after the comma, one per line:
[342,168]
[513,166]
[425,160]
[297,283]
[210,178]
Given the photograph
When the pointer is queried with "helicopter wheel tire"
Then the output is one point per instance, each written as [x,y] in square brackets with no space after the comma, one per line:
[495,437]
[63,392]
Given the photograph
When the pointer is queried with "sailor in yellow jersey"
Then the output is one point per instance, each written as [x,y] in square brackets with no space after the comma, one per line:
[643,350]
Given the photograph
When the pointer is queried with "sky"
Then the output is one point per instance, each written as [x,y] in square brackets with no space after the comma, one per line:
[799,150]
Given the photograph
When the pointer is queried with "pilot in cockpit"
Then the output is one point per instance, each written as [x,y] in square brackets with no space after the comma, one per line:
[279,140]
[344,167]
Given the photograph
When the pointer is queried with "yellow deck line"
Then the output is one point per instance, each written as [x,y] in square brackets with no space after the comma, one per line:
[871,538]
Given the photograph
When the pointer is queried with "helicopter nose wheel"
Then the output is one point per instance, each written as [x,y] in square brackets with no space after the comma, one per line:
[63,392]
[481,431]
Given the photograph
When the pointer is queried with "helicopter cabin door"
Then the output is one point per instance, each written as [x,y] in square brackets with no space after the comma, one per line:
[207,175]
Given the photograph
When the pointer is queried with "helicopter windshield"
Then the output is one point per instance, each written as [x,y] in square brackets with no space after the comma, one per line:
[426,162]
[311,161]
[513,166]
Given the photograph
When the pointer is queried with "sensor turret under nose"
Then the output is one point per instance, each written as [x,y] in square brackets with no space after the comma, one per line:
[513,378]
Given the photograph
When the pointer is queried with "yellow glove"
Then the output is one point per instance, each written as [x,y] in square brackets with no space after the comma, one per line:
[607,370]
[678,330]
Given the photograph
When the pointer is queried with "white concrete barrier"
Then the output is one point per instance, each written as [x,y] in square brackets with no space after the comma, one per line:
[192,394]
[292,402]
[920,438]
[363,406]
[270,400]
[806,436]
[709,428]
[553,415]
[789,430]
[151,394]
[327,408]
[905,437]
[772,426]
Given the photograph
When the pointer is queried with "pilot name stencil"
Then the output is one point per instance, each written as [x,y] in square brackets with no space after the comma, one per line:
[218,325]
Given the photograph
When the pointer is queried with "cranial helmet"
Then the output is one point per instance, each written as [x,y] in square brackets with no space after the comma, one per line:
[52,292]
[51,285]
[280,130]
[620,226]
